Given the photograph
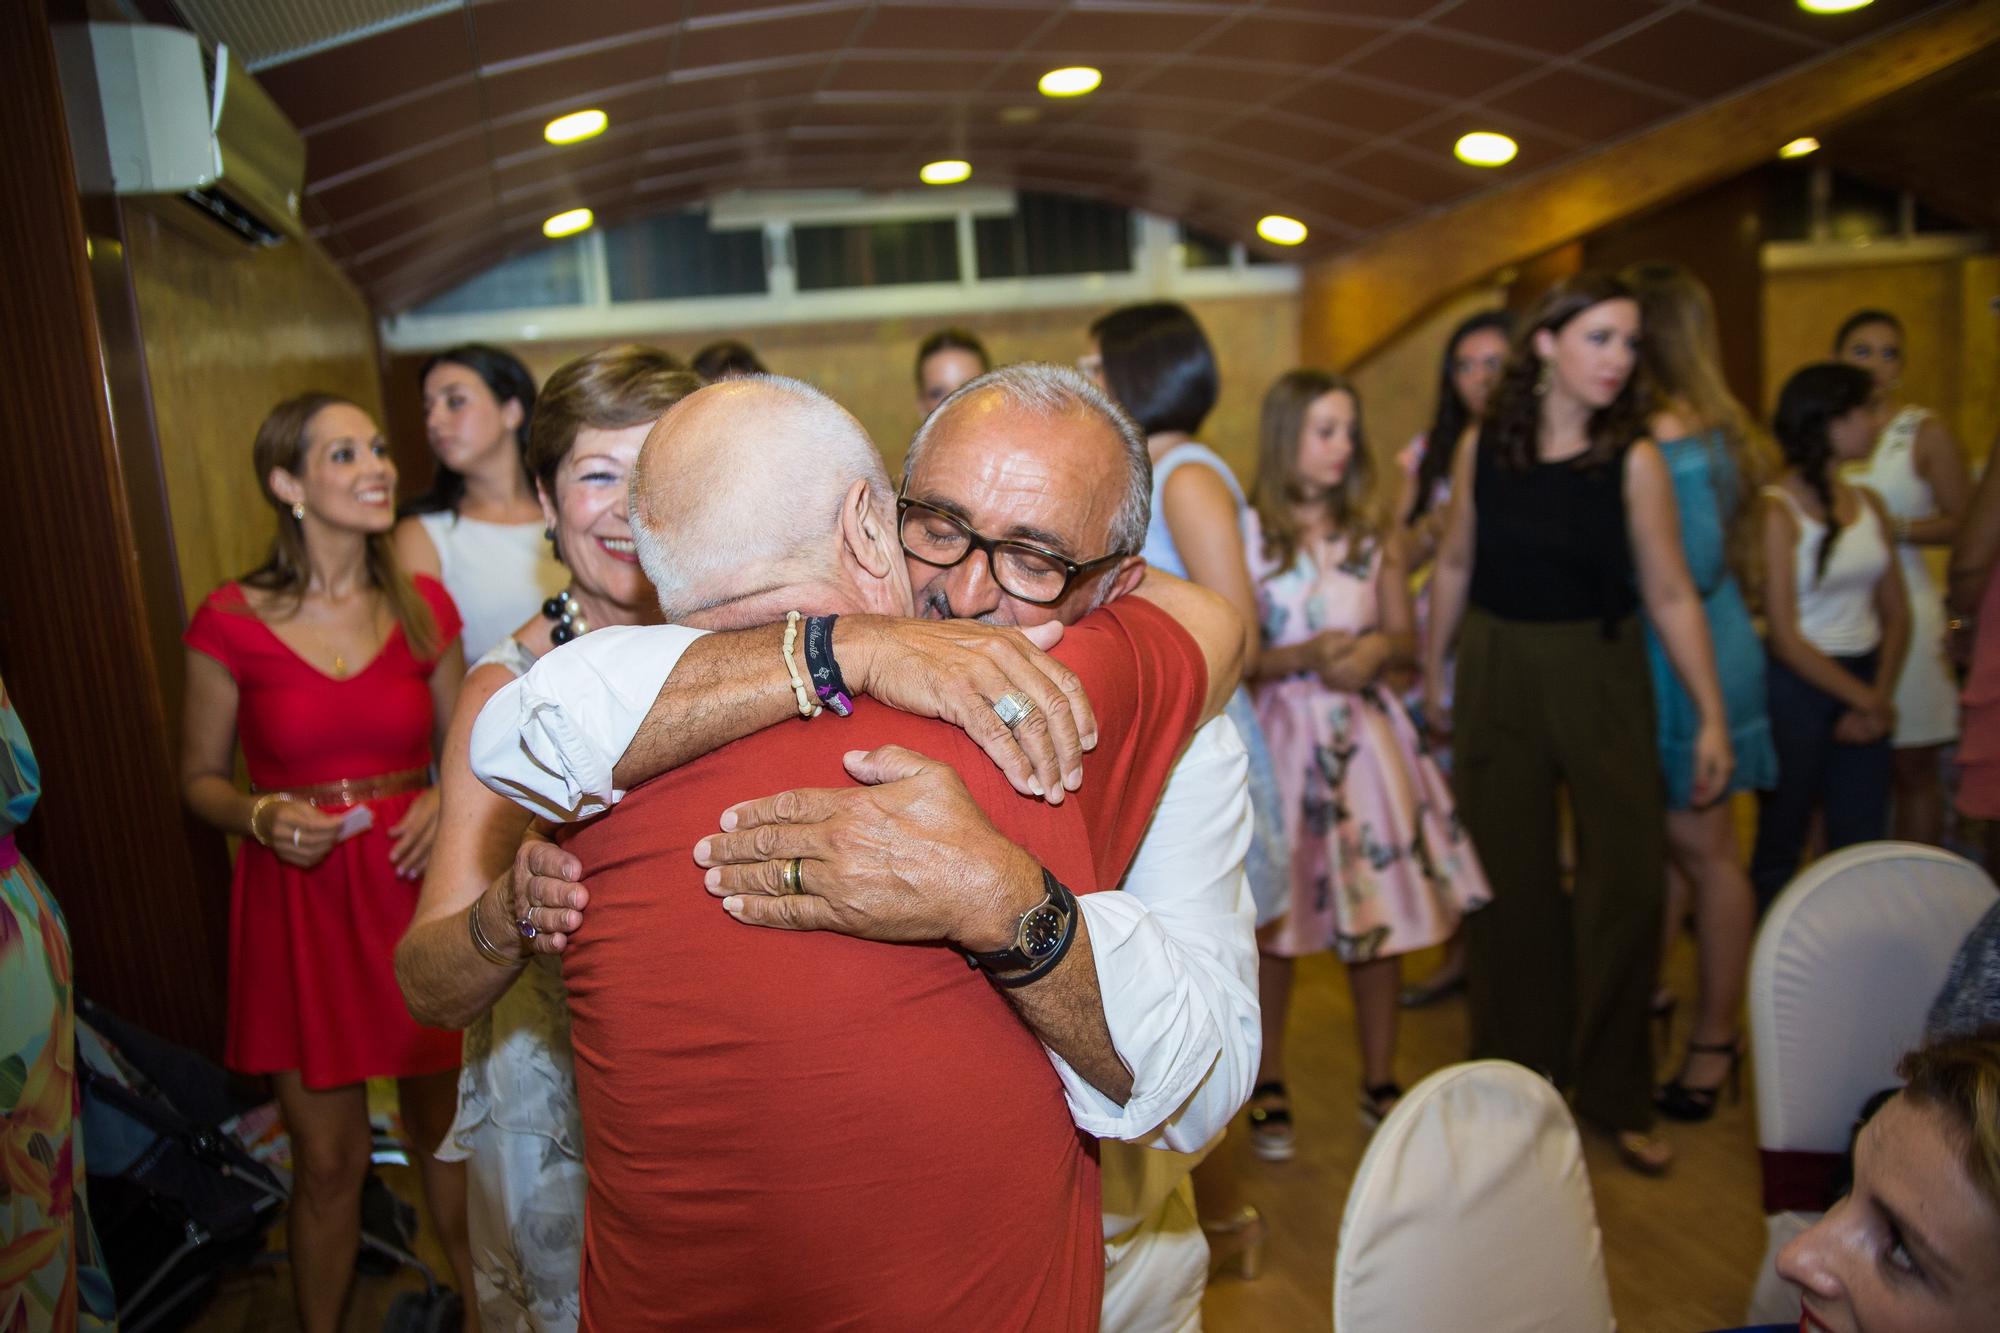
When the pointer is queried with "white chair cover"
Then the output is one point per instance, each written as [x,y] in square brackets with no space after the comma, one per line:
[1844,971]
[1472,1211]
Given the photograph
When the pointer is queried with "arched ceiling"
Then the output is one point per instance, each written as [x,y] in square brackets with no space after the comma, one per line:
[423,119]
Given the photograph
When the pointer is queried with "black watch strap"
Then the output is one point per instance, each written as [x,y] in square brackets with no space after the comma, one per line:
[1015,966]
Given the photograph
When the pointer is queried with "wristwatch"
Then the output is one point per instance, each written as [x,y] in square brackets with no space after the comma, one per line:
[1043,936]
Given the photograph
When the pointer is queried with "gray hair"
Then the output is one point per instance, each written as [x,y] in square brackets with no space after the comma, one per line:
[1048,390]
[748,509]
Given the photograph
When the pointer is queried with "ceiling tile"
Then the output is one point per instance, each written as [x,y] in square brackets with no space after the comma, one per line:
[1693,53]
[1556,28]
[1089,34]
[338,81]
[629,114]
[1446,66]
[1301,140]
[452,111]
[1567,99]
[1824,29]
[1422,180]
[1355,108]
[579,80]
[1345,204]
[1239,86]
[1309,43]
[941,27]
[761,38]
[510,32]
[412,173]
[864,75]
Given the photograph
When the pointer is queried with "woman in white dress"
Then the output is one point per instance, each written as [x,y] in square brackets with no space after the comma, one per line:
[479,529]
[1917,469]
[518,1126]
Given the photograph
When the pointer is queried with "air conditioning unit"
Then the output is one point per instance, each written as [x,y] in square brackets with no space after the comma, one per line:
[179,122]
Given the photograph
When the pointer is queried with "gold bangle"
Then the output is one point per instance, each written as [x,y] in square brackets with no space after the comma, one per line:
[488,950]
[807,708]
[257,809]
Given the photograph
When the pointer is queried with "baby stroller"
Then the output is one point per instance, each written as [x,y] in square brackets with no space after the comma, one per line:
[179,1198]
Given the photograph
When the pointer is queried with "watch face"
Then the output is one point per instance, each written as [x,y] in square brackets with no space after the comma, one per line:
[1041,931]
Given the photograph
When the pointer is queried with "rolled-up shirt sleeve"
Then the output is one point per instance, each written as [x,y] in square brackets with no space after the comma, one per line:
[1176,956]
[549,740]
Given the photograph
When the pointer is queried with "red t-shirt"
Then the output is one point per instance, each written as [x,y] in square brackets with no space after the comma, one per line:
[806,1130]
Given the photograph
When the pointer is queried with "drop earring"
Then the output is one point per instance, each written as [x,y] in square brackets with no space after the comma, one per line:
[1544,379]
[299,511]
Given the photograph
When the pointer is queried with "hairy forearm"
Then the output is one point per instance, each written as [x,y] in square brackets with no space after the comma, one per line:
[1065,1010]
[726,686]
[446,981]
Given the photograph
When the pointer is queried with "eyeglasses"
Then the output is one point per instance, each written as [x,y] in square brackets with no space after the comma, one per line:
[1030,573]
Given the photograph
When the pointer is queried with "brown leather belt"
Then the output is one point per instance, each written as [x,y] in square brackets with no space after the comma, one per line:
[353,791]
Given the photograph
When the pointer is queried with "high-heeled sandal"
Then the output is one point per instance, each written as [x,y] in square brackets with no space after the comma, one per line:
[1647,1154]
[1377,1101]
[1271,1136]
[1681,1100]
[1237,1242]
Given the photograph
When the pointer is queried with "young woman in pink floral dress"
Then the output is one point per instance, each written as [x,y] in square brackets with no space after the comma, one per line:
[1380,866]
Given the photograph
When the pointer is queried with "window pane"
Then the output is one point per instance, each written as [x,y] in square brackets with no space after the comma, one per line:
[875,254]
[1052,234]
[660,258]
[1201,250]
[552,275]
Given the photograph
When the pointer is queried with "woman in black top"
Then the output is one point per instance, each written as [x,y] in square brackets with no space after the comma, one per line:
[1562,522]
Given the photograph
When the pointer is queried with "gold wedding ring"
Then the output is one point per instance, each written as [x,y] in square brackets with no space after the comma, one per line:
[788,871]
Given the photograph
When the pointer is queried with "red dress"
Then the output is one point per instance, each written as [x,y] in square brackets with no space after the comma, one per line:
[312,982]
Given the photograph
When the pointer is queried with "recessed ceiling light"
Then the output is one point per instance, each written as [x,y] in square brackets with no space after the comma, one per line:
[568,224]
[1281,230]
[1799,147]
[1071,81]
[576,127]
[1483,148]
[948,172]
[1833,6]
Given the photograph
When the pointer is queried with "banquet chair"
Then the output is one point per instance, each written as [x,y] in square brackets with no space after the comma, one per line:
[1471,1211]
[1845,968]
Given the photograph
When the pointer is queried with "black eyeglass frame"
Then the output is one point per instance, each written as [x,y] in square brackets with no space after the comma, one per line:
[1072,570]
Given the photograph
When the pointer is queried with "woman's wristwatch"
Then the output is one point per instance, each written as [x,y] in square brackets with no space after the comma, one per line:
[1041,938]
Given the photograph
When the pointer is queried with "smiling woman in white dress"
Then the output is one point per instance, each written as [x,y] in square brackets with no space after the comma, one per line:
[1917,469]
[517,1127]
[479,529]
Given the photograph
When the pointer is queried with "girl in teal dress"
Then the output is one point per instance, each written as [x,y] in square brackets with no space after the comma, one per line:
[52,1276]
[1701,433]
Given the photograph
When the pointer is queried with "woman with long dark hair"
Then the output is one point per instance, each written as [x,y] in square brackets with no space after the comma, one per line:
[1561,529]
[1704,437]
[337,672]
[1919,474]
[1474,356]
[478,529]
[1839,625]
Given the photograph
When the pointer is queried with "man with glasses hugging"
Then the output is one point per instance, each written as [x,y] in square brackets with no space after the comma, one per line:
[1024,500]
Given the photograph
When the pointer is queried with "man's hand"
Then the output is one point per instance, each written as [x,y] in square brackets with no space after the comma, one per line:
[908,857]
[953,670]
[542,886]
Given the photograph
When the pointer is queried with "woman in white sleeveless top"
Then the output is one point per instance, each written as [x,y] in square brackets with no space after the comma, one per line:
[1839,626]
[462,962]
[479,529]
[1918,471]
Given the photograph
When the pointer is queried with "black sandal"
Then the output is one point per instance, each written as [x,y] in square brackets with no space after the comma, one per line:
[1377,1101]
[1271,1136]
[1681,1101]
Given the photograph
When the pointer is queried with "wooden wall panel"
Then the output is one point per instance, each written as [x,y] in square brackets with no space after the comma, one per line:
[869,367]
[228,334]
[145,893]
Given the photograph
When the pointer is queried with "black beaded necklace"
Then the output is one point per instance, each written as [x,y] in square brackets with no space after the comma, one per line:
[568,615]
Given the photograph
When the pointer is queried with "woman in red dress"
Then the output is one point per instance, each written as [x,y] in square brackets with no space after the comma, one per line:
[336,672]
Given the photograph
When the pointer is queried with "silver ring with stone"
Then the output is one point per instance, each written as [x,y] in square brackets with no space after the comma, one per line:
[1014,707]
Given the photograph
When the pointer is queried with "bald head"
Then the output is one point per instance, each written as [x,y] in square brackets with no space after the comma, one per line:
[739,491]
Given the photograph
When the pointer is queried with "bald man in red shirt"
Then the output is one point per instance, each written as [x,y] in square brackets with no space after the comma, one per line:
[812,1130]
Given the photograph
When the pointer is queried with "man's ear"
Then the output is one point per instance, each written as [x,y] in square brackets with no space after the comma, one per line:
[866,532]
[1131,572]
